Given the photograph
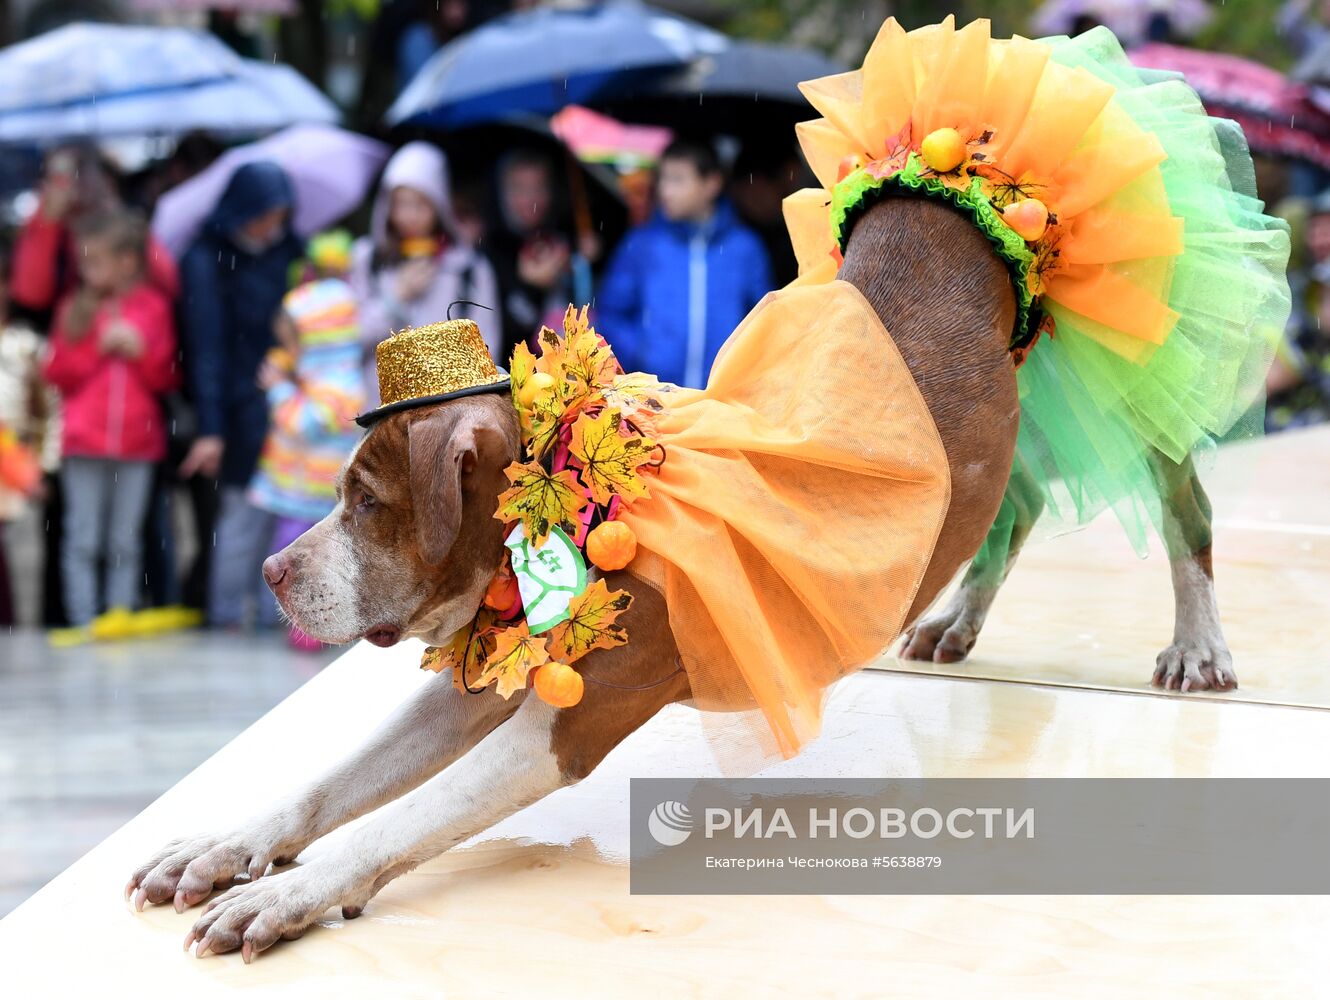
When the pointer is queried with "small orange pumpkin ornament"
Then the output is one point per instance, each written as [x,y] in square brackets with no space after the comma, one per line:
[558,684]
[611,545]
[502,591]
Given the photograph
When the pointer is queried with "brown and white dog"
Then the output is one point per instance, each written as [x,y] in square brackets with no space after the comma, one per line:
[412,544]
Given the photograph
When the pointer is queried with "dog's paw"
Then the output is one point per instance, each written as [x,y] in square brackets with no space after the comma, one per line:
[946,637]
[1195,666]
[186,871]
[254,916]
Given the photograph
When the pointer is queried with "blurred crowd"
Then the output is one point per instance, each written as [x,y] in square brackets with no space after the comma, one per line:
[167,420]
[146,398]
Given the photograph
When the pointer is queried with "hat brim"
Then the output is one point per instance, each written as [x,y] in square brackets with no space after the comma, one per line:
[374,416]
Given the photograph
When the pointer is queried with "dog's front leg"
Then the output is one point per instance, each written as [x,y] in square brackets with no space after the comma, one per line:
[427,733]
[1198,657]
[512,767]
[948,634]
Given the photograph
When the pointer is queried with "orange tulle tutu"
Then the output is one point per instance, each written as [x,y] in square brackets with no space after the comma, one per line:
[796,510]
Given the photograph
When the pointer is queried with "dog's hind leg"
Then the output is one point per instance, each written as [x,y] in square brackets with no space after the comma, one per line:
[1198,658]
[947,635]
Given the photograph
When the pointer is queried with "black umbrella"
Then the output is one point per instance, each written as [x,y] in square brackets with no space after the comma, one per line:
[747,88]
[589,200]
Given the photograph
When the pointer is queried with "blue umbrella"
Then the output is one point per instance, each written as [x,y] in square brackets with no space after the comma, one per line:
[114,86]
[542,60]
[86,62]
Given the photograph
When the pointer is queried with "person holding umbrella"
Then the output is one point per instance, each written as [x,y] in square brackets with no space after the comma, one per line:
[76,184]
[234,277]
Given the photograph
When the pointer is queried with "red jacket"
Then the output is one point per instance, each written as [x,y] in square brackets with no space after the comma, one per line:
[112,404]
[44,270]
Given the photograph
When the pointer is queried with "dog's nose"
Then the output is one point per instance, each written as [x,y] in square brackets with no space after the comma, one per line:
[276,573]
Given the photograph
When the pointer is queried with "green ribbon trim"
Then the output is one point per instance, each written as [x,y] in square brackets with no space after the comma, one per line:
[860,191]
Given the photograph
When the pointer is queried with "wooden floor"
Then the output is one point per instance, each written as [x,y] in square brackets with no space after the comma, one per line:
[1083,610]
[539,905]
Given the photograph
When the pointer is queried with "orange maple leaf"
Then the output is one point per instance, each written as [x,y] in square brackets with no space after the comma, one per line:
[610,460]
[575,322]
[466,649]
[639,397]
[516,653]
[591,623]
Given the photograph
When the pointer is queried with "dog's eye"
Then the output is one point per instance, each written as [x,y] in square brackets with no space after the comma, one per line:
[366,502]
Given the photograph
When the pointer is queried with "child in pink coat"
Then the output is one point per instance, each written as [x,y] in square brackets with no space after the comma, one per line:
[112,358]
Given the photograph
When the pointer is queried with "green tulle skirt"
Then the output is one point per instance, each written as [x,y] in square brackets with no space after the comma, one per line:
[1091,418]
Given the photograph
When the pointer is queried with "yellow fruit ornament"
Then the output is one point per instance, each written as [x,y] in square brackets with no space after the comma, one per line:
[943,150]
[536,385]
[558,684]
[611,545]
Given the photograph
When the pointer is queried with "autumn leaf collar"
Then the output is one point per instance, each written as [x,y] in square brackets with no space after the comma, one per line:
[587,453]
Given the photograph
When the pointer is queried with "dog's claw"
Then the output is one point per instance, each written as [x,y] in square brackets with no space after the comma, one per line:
[140,898]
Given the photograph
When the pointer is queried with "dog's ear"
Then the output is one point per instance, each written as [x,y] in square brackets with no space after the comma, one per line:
[445,450]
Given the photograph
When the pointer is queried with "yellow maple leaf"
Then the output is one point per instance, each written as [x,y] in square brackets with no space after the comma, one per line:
[516,653]
[591,623]
[520,368]
[541,500]
[588,361]
[575,322]
[540,425]
[610,460]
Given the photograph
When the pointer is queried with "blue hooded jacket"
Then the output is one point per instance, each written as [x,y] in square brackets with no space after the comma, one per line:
[229,299]
[674,291]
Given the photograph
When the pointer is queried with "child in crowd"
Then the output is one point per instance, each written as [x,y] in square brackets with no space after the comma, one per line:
[314,387]
[112,358]
[417,260]
[678,285]
[539,266]
[234,276]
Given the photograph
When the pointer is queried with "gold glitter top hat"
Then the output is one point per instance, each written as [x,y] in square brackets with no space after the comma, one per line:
[419,366]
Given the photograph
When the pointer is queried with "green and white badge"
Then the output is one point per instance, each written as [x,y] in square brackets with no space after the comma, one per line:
[548,578]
